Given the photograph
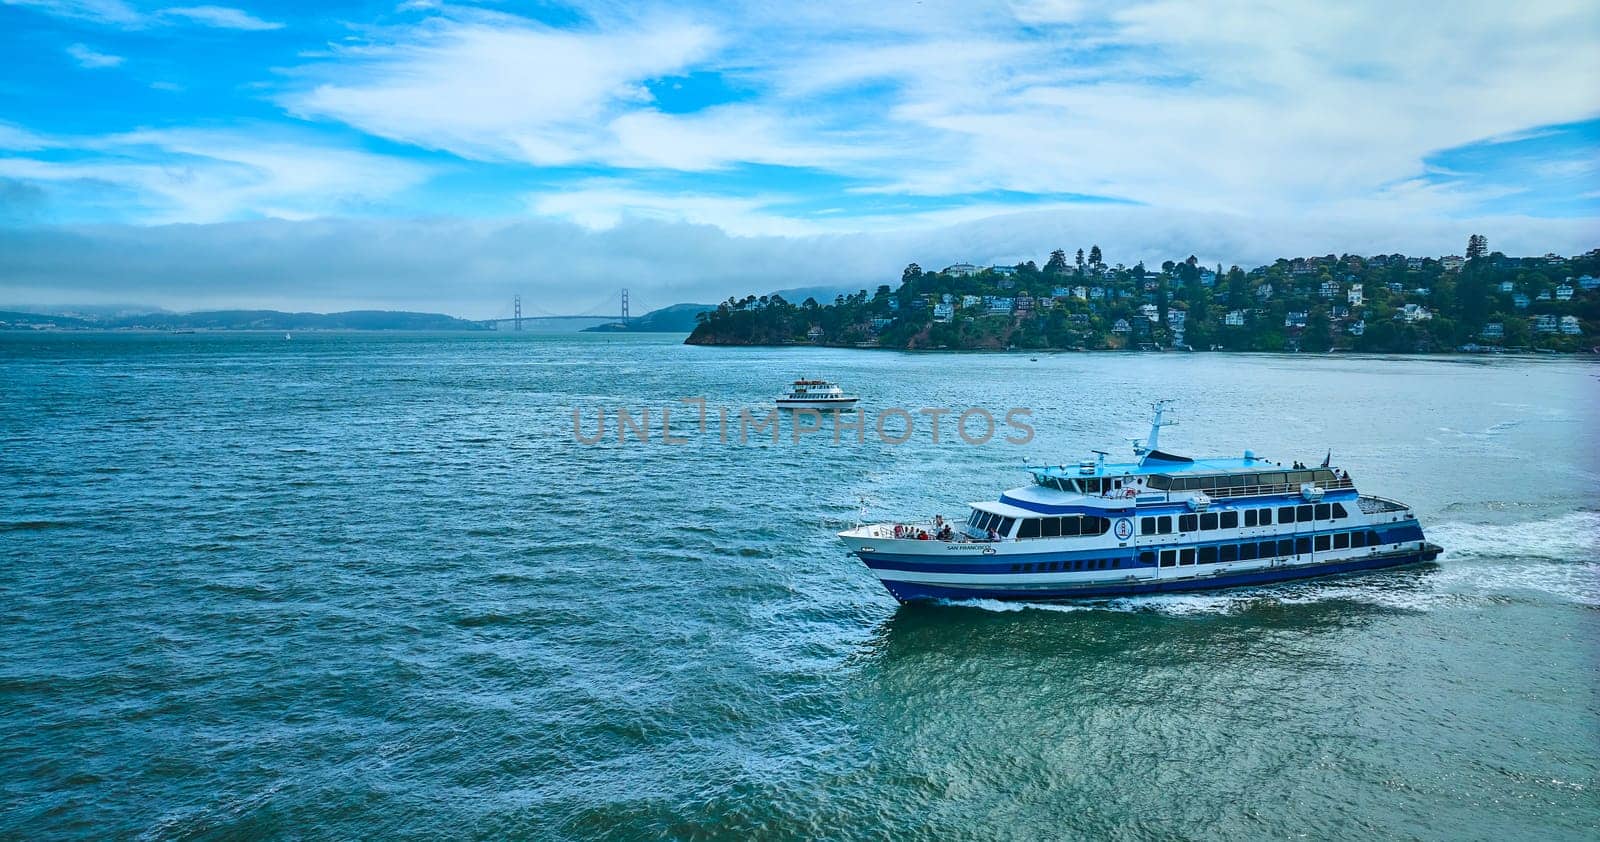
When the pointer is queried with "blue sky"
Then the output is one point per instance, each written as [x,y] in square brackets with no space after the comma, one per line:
[852,136]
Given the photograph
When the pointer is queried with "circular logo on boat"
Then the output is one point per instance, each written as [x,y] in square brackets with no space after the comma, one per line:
[1124,529]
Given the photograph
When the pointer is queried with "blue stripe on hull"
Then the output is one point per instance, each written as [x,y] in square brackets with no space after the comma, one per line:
[912,591]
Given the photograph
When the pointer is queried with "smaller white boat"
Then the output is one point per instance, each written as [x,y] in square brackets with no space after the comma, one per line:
[816,394]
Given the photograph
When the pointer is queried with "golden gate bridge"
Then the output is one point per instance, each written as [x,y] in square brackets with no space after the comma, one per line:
[605,309]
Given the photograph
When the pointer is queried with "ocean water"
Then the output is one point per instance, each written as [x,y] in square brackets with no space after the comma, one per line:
[372,586]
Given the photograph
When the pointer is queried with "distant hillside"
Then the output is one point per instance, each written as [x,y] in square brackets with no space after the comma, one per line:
[11,320]
[1387,303]
[679,318]
[252,320]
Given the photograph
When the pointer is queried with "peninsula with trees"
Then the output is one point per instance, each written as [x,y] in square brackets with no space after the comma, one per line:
[1386,303]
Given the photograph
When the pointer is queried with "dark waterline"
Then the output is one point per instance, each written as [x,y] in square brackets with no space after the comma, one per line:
[363,585]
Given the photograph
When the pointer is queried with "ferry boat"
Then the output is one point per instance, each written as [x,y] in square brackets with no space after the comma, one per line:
[1163,523]
[816,394]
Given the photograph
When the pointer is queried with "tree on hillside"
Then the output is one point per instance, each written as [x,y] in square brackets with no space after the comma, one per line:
[1080,261]
[1477,246]
[1057,263]
[912,272]
[1095,257]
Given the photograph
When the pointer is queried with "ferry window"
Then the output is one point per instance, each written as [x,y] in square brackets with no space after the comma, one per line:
[1164,524]
[1208,555]
[1324,476]
[1069,526]
[1030,528]
[1208,520]
[1050,527]
[1147,557]
[1358,539]
[1158,482]
[1116,562]
[1005,525]
[1249,517]
[1324,511]
[1241,481]
[1273,479]
[1298,477]
[1016,568]
[1339,511]
[1054,566]
[1188,523]
[1286,514]
[1169,558]
[1147,526]
[1286,546]
[1078,565]
[1230,520]
[1186,555]
[1099,564]
[972,519]
[1096,525]
[1228,552]
[1266,517]
[1302,545]
[1304,513]
[1372,538]
[1324,543]
[1269,549]
[1341,541]
[1247,552]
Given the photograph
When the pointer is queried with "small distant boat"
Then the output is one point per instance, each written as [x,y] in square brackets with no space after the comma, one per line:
[816,394]
[287,336]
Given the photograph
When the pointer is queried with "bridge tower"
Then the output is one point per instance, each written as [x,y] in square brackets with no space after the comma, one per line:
[516,312]
[624,305]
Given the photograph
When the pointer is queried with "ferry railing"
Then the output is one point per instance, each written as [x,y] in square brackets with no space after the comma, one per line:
[1249,490]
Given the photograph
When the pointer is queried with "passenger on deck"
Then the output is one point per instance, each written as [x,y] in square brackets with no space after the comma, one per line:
[922,535]
[992,535]
[945,532]
[899,531]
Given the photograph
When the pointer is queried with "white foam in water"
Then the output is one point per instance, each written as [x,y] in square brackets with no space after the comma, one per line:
[1558,557]
[1569,537]
[1177,604]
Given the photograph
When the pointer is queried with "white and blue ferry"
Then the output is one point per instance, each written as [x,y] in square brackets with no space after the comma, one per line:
[1163,523]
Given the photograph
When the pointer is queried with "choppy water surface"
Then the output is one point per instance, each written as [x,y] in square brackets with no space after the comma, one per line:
[357,586]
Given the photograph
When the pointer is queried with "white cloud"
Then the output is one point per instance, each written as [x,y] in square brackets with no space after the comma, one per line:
[1230,105]
[490,89]
[98,11]
[208,176]
[221,17]
[123,15]
[19,139]
[91,58]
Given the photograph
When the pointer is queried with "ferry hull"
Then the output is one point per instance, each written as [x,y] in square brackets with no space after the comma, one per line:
[819,405]
[908,591]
